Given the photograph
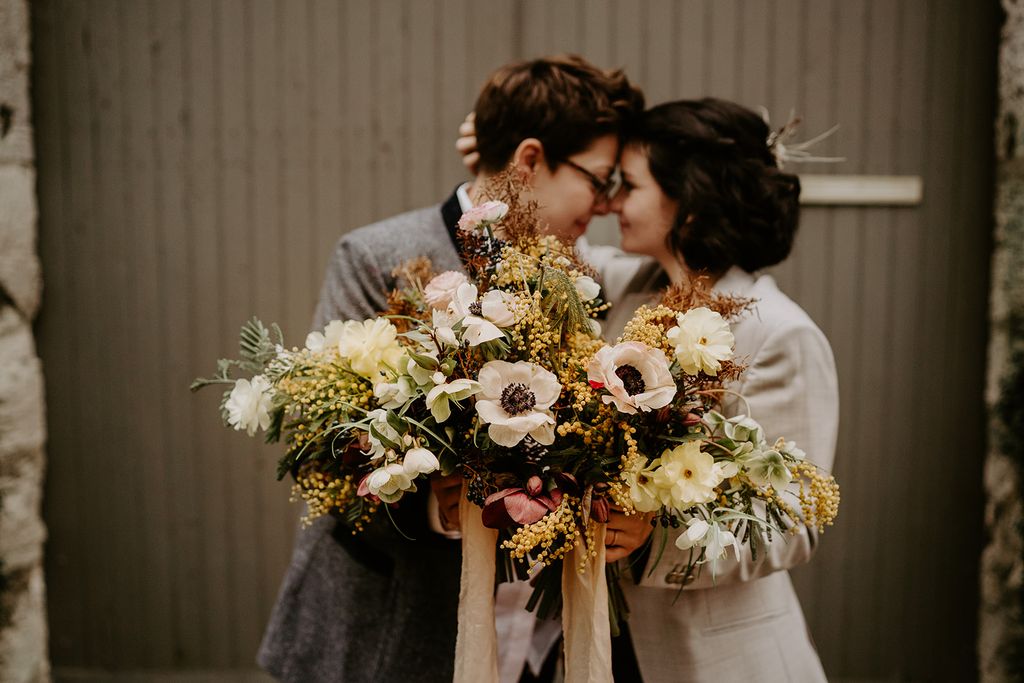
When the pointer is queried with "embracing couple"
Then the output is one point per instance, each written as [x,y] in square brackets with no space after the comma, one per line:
[701,194]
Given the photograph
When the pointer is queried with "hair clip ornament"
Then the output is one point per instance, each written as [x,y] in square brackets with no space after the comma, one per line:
[785,151]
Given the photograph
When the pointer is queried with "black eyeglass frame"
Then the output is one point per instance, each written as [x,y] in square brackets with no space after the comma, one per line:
[603,189]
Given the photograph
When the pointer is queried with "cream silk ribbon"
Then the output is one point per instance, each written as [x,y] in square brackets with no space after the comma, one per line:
[476,650]
[585,628]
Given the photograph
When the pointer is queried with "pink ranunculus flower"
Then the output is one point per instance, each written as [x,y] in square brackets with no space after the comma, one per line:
[485,214]
[440,290]
[637,377]
[520,506]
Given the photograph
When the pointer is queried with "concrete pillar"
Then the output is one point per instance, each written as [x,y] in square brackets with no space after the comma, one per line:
[23,633]
[1001,638]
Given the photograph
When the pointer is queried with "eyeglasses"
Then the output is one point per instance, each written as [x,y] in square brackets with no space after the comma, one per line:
[603,189]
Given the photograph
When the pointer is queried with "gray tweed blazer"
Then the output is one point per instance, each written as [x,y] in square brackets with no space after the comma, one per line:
[377,606]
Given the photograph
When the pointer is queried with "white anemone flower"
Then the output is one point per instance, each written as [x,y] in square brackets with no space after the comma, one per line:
[701,340]
[248,406]
[440,397]
[515,401]
[687,476]
[482,319]
[636,375]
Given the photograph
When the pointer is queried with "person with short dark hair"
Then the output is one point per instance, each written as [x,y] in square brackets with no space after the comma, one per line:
[378,606]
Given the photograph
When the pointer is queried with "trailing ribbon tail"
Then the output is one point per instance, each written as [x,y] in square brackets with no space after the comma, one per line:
[476,649]
[585,626]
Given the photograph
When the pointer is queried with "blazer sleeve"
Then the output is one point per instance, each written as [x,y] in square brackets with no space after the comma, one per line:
[792,391]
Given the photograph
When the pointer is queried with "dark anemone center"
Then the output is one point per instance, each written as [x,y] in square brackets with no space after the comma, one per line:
[632,379]
[517,398]
[476,308]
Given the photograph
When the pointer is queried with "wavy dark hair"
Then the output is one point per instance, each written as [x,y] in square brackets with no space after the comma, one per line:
[736,207]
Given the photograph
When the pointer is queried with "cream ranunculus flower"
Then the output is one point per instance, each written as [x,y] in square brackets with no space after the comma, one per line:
[637,376]
[702,340]
[248,406]
[515,400]
[485,214]
[687,476]
[370,346]
[319,341]
[440,290]
[440,397]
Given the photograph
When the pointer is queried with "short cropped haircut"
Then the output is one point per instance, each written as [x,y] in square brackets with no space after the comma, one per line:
[563,101]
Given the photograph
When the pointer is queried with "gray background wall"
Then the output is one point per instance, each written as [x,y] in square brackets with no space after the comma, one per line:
[197,159]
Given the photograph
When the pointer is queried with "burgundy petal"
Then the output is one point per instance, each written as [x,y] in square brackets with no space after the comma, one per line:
[495,515]
[534,486]
[364,491]
[524,509]
[599,510]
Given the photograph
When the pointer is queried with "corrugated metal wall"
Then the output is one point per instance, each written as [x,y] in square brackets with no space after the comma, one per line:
[197,159]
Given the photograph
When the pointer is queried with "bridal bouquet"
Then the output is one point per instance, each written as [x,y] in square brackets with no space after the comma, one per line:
[499,373]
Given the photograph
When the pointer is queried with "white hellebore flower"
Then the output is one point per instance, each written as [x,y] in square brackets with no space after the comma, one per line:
[320,341]
[440,290]
[482,319]
[766,467]
[702,340]
[419,461]
[370,346]
[715,538]
[379,426]
[515,400]
[395,394]
[442,323]
[637,376]
[439,398]
[587,288]
[389,482]
[249,404]
[687,476]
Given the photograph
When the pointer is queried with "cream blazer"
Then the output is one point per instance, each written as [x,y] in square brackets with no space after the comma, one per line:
[746,624]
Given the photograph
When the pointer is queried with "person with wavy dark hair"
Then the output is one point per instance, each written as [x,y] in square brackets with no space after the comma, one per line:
[703,195]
